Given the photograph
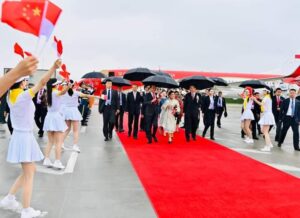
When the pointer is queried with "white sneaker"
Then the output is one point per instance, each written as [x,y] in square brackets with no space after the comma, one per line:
[9,204]
[58,165]
[250,141]
[30,213]
[246,139]
[47,162]
[76,148]
[266,148]
[66,148]
[271,146]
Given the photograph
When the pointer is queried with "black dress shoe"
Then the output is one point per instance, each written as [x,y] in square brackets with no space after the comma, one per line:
[212,138]
[256,138]
[129,135]
[110,136]
[149,142]
[188,140]
[297,149]
[135,137]
[219,126]
[106,139]
[279,145]
[121,130]
[155,139]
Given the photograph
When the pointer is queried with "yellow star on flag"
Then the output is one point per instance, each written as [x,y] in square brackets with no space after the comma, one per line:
[37,12]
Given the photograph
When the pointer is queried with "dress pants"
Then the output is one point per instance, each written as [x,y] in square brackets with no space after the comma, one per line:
[133,118]
[209,121]
[109,119]
[288,122]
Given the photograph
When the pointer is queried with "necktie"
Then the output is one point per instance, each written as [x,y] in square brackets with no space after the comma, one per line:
[134,95]
[293,107]
[108,96]
[120,98]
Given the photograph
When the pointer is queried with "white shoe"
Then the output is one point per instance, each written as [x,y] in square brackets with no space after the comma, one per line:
[30,213]
[76,148]
[66,148]
[250,141]
[246,139]
[10,204]
[58,165]
[47,162]
[271,146]
[266,148]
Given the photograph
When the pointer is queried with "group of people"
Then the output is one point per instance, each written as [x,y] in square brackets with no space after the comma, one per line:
[273,110]
[157,109]
[55,111]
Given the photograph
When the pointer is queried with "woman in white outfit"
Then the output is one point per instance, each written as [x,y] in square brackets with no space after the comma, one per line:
[267,118]
[23,147]
[72,115]
[247,115]
[54,124]
[171,108]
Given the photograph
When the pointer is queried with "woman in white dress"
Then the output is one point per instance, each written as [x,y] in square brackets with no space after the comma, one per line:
[247,115]
[267,119]
[54,124]
[171,109]
[23,147]
[72,115]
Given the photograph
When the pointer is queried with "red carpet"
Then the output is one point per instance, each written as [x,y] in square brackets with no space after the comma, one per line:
[204,179]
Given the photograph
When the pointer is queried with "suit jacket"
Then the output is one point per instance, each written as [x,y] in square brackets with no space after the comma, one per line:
[285,106]
[276,113]
[150,108]
[190,105]
[115,104]
[224,107]
[123,101]
[206,103]
[134,106]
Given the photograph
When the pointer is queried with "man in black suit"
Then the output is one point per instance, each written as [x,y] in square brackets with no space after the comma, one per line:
[143,94]
[134,101]
[151,114]
[256,110]
[109,106]
[120,116]
[277,101]
[290,116]
[191,108]
[221,108]
[209,111]
[40,101]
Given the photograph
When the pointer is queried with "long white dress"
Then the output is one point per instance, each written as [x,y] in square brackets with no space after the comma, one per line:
[169,121]
[267,117]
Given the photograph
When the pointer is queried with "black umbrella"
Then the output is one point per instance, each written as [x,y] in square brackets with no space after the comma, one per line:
[118,81]
[219,81]
[138,74]
[161,81]
[255,84]
[161,73]
[94,75]
[200,82]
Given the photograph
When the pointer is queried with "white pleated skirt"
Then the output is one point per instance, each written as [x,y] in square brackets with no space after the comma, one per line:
[71,113]
[23,148]
[247,115]
[267,119]
[55,122]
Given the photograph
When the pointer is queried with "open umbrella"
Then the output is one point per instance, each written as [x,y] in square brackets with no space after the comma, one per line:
[255,84]
[94,75]
[117,81]
[161,73]
[200,82]
[161,81]
[138,74]
[219,81]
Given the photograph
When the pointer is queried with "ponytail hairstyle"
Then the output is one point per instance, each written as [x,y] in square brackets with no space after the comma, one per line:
[49,90]
[70,90]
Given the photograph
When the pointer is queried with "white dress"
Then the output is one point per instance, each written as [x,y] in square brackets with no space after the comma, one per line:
[55,121]
[23,147]
[169,121]
[69,107]
[247,114]
[267,116]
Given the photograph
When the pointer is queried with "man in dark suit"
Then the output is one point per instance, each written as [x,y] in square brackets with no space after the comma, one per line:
[209,111]
[277,101]
[134,101]
[143,94]
[290,116]
[40,101]
[191,108]
[256,110]
[151,114]
[120,116]
[221,108]
[109,106]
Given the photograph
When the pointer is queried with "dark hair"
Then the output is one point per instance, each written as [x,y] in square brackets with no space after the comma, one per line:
[278,89]
[16,85]
[170,92]
[70,92]
[49,90]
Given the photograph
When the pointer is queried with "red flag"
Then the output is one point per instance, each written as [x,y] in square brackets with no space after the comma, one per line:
[27,53]
[297,56]
[25,15]
[64,67]
[59,46]
[19,50]
[65,75]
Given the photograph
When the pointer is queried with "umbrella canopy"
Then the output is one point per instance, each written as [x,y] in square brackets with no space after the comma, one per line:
[200,82]
[117,81]
[138,74]
[161,73]
[94,75]
[161,81]
[219,81]
[255,84]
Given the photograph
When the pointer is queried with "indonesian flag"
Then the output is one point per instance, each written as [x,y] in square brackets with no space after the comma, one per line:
[297,56]
[37,17]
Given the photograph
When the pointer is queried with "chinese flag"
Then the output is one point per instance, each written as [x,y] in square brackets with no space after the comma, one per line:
[25,15]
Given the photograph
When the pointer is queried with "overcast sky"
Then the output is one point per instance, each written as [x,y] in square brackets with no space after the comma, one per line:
[212,35]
